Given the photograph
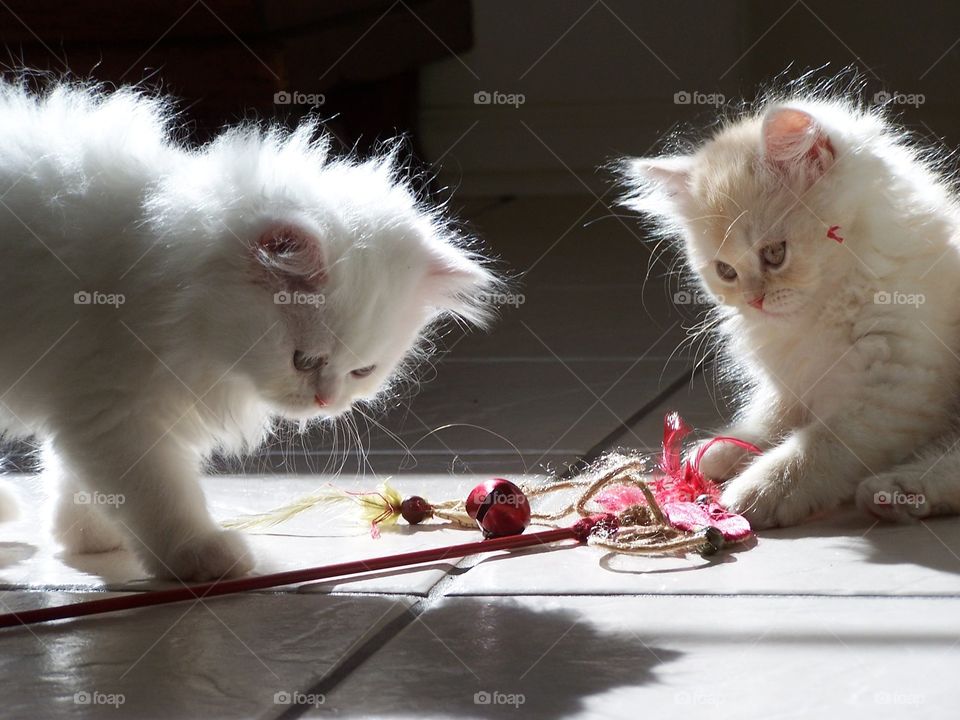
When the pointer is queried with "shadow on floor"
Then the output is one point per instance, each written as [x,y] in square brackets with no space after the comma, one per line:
[13,553]
[933,543]
[477,659]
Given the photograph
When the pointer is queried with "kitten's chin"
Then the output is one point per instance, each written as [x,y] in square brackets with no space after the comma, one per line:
[770,315]
[302,411]
[773,313]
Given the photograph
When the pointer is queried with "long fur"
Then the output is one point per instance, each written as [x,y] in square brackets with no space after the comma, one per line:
[850,367]
[153,294]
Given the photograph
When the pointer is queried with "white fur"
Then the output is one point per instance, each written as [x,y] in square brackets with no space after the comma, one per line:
[97,196]
[841,388]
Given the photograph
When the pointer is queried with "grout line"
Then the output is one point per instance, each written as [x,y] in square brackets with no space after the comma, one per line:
[713,595]
[329,681]
[342,670]
[615,435]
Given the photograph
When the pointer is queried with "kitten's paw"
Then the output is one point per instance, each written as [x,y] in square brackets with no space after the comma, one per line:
[895,496]
[81,528]
[769,495]
[722,460]
[214,555]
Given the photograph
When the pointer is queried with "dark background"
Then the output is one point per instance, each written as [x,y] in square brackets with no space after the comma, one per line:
[598,79]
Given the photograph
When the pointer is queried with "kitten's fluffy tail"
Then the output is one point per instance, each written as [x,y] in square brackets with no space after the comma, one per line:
[8,504]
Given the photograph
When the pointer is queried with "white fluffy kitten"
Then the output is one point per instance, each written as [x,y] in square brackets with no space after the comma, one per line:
[158,303]
[850,350]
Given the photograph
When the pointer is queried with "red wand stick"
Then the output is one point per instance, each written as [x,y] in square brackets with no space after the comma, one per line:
[579,532]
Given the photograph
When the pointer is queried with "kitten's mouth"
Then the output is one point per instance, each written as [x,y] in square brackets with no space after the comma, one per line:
[297,407]
[776,314]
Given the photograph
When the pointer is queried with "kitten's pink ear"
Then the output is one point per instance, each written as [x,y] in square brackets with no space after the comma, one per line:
[293,254]
[456,283]
[671,175]
[795,143]
[660,187]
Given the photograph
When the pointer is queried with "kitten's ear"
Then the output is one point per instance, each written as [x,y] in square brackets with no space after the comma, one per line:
[293,254]
[659,187]
[456,283]
[795,143]
[670,175]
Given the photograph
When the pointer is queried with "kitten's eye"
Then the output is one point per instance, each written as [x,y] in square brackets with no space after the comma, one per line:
[774,255]
[726,271]
[308,363]
[363,372]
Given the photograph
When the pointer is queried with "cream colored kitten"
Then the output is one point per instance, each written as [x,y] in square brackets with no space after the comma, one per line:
[833,246]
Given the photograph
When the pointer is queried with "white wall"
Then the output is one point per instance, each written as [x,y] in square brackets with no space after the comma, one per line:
[595,94]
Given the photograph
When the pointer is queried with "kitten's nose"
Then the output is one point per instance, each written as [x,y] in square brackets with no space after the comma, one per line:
[757,302]
[320,400]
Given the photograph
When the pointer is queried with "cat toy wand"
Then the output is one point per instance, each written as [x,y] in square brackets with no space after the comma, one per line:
[499,507]
[291,577]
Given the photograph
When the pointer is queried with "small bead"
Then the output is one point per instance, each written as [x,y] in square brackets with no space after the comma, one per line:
[713,541]
[415,510]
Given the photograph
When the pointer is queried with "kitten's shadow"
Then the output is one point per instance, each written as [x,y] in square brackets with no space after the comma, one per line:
[933,543]
[541,657]
[462,649]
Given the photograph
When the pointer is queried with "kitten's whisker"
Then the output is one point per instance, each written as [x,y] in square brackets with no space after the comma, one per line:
[362,452]
[709,217]
[729,230]
[739,207]
[476,427]
[389,433]
[608,217]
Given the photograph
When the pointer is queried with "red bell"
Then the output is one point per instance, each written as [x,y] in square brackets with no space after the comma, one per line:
[499,507]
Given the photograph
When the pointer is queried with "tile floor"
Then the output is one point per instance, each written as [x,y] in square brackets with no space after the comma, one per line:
[843,618]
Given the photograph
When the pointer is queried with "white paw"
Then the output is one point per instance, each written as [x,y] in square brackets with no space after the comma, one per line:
[83,529]
[723,460]
[770,493]
[895,497]
[214,555]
